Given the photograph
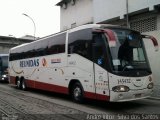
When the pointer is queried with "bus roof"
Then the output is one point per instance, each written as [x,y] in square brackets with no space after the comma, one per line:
[94,26]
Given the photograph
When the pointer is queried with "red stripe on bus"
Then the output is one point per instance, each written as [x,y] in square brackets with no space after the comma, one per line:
[12,80]
[96,96]
[51,87]
[57,88]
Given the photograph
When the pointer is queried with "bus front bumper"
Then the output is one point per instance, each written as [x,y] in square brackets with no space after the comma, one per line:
[130,95]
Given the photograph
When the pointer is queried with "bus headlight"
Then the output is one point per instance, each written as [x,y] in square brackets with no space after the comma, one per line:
[120,88]
[4,76]
[150,86]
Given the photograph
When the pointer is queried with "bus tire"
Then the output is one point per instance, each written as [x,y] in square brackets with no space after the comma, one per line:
[18,83]
[77,93]
[23,84]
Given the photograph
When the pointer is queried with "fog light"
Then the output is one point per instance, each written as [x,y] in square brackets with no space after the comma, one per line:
[150,86]
[150,78]
[120,88]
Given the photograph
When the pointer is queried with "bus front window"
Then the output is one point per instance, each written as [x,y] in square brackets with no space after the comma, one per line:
[5,61]
[3,65]
[128,53]
[0,66]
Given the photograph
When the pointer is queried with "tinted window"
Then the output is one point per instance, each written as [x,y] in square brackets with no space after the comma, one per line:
[52,45]
[80,43]
[29,51]
[5,61]
[100,50]
[57,44]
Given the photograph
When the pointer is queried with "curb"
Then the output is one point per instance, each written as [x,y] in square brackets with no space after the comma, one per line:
[154,98]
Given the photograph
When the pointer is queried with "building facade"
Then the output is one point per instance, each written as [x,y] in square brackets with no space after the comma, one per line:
[140,15]
[8,42]
[75,14]
[82,12]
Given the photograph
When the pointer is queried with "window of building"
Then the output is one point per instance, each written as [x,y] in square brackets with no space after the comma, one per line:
[144,24]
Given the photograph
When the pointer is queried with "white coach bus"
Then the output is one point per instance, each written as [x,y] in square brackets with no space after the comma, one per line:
[102,62]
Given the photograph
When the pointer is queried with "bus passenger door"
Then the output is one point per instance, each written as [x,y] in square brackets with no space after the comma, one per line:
[100,68]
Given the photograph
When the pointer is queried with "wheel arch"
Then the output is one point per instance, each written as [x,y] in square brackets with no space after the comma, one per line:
[71,83]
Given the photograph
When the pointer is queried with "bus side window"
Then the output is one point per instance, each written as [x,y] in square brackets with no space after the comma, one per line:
[80,43]
[99,56]
[57,44]
[99,50]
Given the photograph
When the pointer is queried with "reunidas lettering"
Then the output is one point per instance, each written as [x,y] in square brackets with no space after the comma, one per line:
[29,63]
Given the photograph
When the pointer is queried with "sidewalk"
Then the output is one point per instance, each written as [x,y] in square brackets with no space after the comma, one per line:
[156,93]
[154,98]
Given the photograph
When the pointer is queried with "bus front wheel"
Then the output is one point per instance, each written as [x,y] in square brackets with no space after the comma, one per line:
[77,93]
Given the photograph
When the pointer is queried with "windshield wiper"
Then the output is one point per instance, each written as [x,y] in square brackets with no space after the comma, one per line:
[129,67]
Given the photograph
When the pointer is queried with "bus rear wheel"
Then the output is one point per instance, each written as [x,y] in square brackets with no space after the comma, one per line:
[24,87]
[18,83]
[77,93]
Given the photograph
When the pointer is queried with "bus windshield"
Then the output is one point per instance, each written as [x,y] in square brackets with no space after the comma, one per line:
[128,53]
[3,63]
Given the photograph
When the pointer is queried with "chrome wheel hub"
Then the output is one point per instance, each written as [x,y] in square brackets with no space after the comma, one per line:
[77,92]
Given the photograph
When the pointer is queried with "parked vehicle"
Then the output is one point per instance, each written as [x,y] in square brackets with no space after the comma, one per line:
[4,67]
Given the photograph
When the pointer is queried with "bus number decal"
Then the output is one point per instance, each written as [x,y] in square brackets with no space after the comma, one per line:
[122,81]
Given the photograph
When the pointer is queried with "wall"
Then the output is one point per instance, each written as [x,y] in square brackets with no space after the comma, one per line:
[108,9]
[158,22]
[96,11]
[80,13]
[135,5]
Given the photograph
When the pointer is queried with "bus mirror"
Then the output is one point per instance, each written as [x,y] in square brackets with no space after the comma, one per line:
[154,40]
